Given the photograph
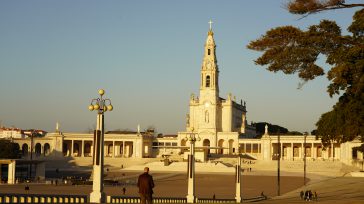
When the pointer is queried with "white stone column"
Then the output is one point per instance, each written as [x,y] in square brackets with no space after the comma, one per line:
[312,151]
[72,144]
[123,148]
[281,151]
[238,180]
[134,148]
[92,149]
[11,172]
[292,152]
[97,195]
[113,149]
[83,149]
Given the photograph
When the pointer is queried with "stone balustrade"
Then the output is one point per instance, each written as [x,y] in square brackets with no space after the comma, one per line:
[123,199]
[37,198]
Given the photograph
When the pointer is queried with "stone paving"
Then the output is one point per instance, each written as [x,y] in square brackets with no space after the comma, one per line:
[332,181]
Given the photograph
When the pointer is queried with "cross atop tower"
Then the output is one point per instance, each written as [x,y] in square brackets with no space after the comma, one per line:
[210,22]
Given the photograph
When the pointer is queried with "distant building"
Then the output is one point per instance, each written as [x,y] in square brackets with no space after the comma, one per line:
[11,133]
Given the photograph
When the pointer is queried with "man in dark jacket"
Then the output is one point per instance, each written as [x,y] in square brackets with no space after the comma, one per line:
[146,185]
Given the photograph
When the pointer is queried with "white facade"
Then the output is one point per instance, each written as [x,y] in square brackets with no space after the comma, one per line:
[11,133]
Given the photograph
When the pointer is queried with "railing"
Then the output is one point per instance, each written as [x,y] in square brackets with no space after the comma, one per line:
[122,199]
[37,198]
[210,200]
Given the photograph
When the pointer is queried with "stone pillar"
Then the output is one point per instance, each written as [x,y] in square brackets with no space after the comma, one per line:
[292,152]
[72,144]
[266,148]
[83,149]
[312,151]
[97,195]
[113,149]
[281,151]
[11,172]
[123,149]
[40,171]
[134,148]
[238,180]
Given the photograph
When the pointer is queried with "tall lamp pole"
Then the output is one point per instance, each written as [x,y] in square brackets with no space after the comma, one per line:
[100,105]
[31,154]
[304,159]
[279,165]
[238,180]
[191,198]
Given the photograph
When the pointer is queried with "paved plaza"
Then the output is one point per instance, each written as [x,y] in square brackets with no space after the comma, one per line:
[331,180]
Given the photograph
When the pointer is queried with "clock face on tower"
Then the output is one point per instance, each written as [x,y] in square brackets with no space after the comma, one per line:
[207,104]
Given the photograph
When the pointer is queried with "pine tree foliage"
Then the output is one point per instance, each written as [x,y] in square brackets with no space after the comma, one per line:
[314,6]
[295,51]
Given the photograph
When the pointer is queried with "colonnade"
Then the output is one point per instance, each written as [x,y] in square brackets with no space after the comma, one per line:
[312,150]
[84,148]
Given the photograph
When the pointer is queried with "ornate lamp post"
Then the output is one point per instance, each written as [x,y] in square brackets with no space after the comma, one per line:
[101,106]
[191,198]
[238,180]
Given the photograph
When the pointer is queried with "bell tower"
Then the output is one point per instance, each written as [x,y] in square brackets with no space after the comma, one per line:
[209,87]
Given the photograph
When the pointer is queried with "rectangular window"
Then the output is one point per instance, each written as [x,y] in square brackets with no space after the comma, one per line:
[208,51]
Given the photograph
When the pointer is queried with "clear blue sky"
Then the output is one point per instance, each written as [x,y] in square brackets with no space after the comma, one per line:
[55,55]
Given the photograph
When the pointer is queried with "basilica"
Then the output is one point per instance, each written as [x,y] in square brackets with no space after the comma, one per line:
[218,123]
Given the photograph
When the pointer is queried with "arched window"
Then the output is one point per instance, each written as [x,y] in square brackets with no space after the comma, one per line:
[24,149]
[38,149]
[207,81]
[47,149]
[208,51]
[206,143]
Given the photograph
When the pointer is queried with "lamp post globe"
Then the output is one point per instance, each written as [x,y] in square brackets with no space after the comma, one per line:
[91,107]
[101,92]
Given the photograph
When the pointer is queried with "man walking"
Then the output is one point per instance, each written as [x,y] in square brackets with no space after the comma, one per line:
[146,185]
